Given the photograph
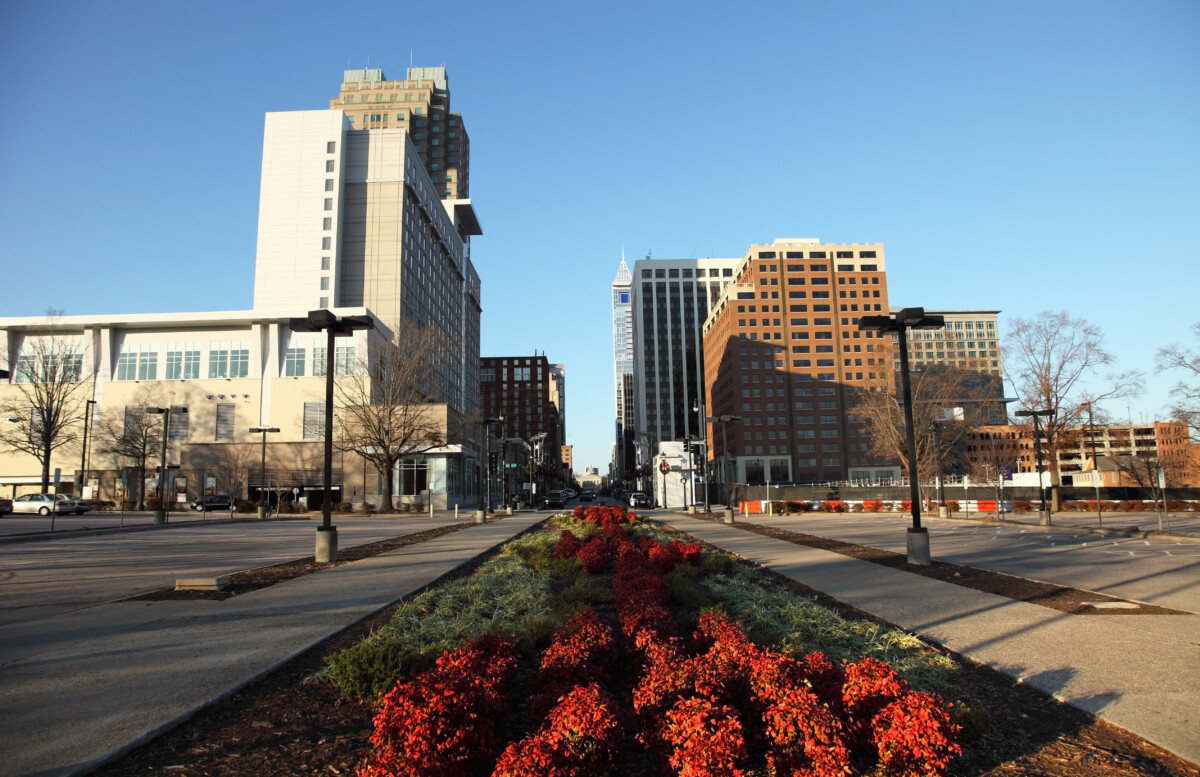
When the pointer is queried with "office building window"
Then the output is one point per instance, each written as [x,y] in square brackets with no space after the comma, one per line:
[330,147]
[147,362]
[126,365]
[293,362]
[326,243]
[324,262]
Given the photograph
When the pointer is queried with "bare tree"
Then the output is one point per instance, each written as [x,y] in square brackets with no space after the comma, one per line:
[1047,359]
[990,452]
[47,411]
[939,440]
[384,409]
[133,435]
[231,467]
[1142,468]
[1186,392]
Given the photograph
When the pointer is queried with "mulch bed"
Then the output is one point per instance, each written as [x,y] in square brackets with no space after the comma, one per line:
[284,726]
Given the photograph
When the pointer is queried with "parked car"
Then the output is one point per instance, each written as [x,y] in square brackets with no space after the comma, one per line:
[212,504]
[555,499]
[587,496]
[43,504]
[81,505]
[5,506]
[638,499]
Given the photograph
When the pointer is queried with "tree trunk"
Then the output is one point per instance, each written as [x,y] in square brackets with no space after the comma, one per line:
[385,499]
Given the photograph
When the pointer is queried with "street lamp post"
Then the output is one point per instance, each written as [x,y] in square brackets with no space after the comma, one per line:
[698,409]
[262,482]
[487,467]
[87,415]
[335,326]
[724,421]
[1043,513]
[160,513]
[908,318]
[1095,463]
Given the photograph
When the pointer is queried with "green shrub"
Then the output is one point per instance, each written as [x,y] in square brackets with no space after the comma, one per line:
[342,507]
[504,596]
[717,564]
[575,598]
[370,668]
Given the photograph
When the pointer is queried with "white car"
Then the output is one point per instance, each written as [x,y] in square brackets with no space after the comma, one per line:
[43,504]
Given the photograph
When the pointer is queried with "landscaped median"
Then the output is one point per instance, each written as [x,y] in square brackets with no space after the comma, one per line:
[600,645]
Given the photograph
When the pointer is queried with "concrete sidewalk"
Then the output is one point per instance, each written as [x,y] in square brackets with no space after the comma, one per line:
[1137,672]
[79,689]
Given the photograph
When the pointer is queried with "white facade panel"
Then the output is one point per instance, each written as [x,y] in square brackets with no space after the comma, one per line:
[299,212]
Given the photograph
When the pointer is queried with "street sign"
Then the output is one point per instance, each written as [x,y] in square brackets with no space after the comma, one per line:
[58,477]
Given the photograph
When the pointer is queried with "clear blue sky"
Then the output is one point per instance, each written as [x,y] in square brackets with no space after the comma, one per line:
[1021,156]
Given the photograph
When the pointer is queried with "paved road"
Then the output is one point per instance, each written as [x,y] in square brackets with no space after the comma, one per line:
[1157,570]
[46,577]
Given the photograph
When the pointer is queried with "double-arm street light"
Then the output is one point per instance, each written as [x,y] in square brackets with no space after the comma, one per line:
[1043,513]
[724,421]
[908,318]
[263,505]
[160,513]
[335,326]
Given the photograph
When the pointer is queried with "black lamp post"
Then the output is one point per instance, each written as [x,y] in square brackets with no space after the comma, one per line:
[487,464]
[724,421]
[908,318]
[1095,463]
[698,409]
[160,513]
[87,416]
[334,326]
[262,477]
[1037,452]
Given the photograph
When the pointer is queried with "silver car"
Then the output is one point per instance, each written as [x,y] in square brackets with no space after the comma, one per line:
[43,504]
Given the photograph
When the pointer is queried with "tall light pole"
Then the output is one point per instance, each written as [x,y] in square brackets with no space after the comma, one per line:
[698,409]
[487,464]
[262,477]
[724,421]
[160,513]
[87,415]
[1043,513]
[908,318]
[1095,463]
[334,326]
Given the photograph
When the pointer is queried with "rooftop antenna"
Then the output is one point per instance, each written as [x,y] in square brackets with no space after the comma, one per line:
[410,57]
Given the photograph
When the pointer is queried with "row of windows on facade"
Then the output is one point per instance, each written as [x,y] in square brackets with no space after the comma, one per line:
[764,268]
[816,254]
[686,272]
[224,359]
[488,374]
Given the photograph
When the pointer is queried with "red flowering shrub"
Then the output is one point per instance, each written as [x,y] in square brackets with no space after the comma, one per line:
[825,678]
[803,736]
[915,736]
[567,546]
[870,686]
[705,739]
[440,723]
[722,671]
[594,555]
[584,650]
[578,513]
[665,556]
[579,738]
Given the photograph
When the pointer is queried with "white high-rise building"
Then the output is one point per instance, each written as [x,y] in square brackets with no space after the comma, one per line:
[624,458]
[670,300]
[350,218]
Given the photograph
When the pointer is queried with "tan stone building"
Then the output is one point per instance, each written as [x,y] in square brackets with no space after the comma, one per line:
[420,104]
